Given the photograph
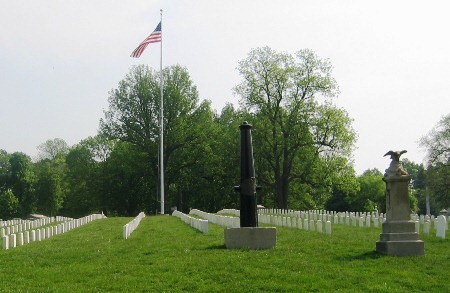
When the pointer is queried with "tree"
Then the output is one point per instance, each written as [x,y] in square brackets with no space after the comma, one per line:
[22,182]
[418,195]
[84,181]
[437,143]
[371,192]
[50,185]
[133,117]
[9,205]
[52,148]
[5,171]
[296,134]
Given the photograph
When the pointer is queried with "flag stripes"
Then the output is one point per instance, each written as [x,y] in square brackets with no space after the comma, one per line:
[154,37]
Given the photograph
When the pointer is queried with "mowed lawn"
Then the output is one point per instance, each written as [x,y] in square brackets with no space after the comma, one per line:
[166,255]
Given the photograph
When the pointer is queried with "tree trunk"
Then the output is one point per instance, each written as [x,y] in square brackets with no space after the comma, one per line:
[282,190]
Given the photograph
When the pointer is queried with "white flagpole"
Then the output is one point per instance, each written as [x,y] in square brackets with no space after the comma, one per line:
[161,168]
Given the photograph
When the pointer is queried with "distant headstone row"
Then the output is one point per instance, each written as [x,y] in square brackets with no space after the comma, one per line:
[296,222]
[360,219]
[199,224]
[21,238]
[355,219]
[439,224]
[225,221]
[132,225]
[18,225]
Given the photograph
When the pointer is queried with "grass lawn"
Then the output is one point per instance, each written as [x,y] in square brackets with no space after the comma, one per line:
[165,255]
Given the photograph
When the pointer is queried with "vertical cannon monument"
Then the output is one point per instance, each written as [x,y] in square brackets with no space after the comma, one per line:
[249,235]
[398,237]
[247,188]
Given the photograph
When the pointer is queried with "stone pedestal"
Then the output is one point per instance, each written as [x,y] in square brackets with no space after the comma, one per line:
[398,237]
[250,237]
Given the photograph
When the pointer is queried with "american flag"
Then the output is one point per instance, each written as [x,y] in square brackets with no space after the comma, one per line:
[154,37]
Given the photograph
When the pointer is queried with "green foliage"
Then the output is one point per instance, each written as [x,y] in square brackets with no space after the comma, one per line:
[50,186]
[438,182]
[200,149]
[52,149]
[371,193]
[298,132]
[83,176]
[5,171]
[22,182]
[9,205]
[437,143]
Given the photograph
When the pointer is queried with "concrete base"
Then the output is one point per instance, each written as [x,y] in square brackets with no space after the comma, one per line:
[400,239]
[250,237]
[401,248]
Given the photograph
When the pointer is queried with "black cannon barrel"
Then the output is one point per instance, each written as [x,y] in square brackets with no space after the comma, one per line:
[247,188]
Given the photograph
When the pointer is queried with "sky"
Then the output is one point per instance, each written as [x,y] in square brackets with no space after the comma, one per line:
[60,59]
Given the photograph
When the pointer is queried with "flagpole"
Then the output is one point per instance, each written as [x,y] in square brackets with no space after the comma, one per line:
[161,127]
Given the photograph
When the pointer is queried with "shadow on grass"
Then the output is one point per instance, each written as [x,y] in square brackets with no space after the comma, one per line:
[363,256]
[216,246]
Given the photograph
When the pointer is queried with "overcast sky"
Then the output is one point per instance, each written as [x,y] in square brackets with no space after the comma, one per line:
[60,59]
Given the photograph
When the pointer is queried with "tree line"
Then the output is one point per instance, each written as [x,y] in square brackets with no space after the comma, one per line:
[302,147]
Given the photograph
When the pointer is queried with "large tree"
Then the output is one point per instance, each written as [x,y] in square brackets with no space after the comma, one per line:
[5,171]
[22,182]
[133,117]
[297,130]
[52,148]
[437,143]
[9,205]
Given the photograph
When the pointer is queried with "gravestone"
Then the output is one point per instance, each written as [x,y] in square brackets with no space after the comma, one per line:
[398,237]
[328,228]
[426,228]
[249,235]
[441,226]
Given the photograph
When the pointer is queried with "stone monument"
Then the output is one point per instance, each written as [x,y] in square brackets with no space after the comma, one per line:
[398,237]
[249,235]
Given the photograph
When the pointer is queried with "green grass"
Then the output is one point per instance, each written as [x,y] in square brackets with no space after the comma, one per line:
[166,255]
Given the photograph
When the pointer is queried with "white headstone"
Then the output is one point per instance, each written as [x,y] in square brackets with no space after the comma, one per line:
[426,227]
[26,237]
[13,239]
[312,225]
[5,242]
[422,219]
[20,239]
[328,228]
[319,226]
[441,226]
[368,221]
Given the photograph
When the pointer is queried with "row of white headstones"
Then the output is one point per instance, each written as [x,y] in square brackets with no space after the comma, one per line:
[19,225]
[225,221]
[291,218]
[196,223]
[132,225]
[62,225]
[425,223]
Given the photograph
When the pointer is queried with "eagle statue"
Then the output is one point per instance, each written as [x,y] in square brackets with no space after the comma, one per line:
[396,167]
